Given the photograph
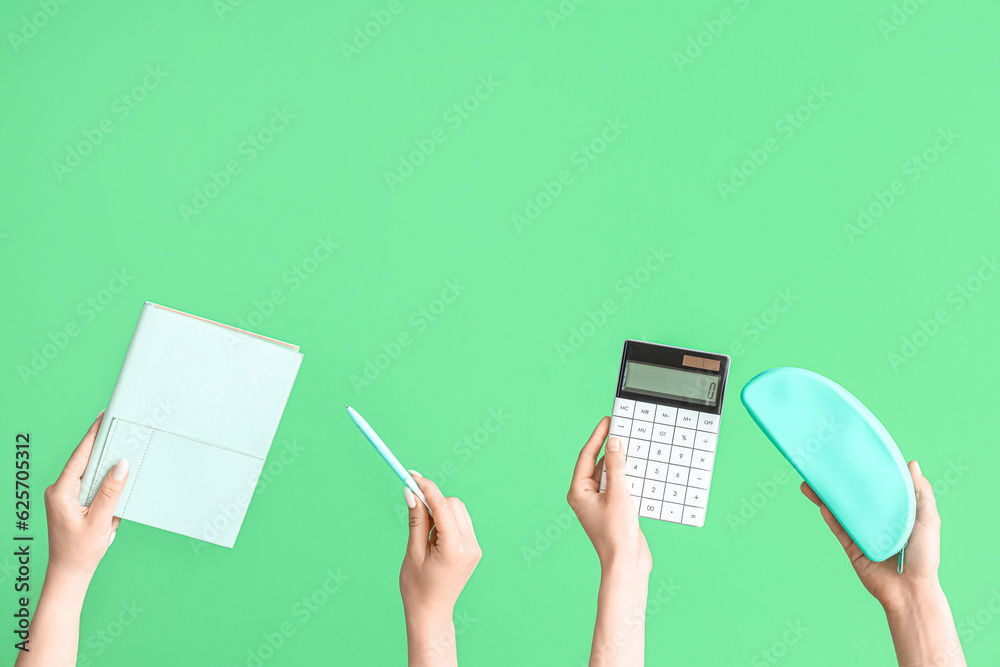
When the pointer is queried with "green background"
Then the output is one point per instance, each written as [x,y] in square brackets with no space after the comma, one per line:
[335,505]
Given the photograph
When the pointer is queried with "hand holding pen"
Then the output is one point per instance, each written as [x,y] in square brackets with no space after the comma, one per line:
[441,554]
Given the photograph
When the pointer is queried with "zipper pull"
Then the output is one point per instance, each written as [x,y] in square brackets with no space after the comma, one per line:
[899,563]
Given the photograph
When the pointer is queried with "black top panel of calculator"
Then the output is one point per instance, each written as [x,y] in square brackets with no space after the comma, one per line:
[671,357]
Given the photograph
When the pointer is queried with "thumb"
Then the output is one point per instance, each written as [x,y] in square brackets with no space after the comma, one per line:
[614,464]
[926,502]
[107,496]
[420,526]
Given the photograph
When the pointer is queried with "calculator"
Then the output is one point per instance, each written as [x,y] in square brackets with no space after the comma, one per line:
[667,410]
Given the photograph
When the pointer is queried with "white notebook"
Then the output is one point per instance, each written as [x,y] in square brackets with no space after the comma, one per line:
[194,410]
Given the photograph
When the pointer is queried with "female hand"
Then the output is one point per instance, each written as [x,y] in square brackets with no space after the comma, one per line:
[78,539]
[612,524]
[80,536]
[441,555]
[610,519]
[922,555]
[916,608]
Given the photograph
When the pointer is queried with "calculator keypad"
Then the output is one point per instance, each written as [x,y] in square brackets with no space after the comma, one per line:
[670,454]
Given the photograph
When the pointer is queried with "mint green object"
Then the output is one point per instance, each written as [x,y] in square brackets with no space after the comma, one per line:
[841,450]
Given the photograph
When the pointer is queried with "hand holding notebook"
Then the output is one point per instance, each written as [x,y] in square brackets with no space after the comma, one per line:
[194,411]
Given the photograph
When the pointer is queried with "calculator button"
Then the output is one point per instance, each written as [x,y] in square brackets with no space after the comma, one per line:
[649,508]
[706,441]
[687,418]
[635,467]
[634,485]
[696,498]
[681,455]
[702,460]
[666,415]
[623,408]
[644,411]
[699,478]
[708,422]
[694,516]
[641,429]
[620,427]
[652,489]
[656,470]
[664,434]
[636,500]
[638,449]
[672,512]
[658,452]
[684,437]
[678,474]
[674,493]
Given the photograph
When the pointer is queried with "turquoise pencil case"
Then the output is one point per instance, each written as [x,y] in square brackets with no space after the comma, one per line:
[841,450]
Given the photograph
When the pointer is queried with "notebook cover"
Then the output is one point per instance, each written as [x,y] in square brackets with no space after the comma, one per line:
[194,410]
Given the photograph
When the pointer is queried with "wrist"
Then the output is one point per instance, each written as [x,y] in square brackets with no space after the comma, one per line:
[432,616]
[623,585]
[920,598]
[623,567]
[430,636]
[66,584]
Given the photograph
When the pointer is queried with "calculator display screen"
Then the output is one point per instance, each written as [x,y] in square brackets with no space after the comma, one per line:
[671,382]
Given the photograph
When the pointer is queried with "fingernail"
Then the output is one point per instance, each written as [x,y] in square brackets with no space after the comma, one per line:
[411,500]
[614,445]
[917,466]
[120,470]
[99,414]
[415,473]
[112,538]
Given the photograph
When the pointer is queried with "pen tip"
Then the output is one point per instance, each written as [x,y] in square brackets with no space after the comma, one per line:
[346,405]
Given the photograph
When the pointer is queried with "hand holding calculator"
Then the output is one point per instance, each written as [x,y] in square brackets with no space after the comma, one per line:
[667,409]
